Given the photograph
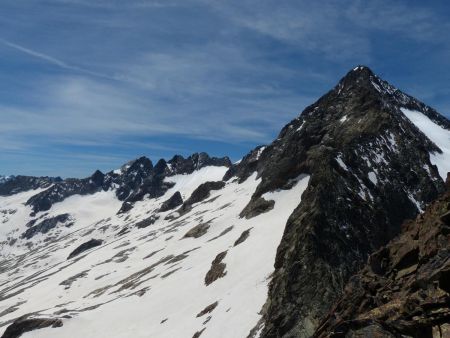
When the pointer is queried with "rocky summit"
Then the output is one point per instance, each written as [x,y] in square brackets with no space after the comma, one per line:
[310,235]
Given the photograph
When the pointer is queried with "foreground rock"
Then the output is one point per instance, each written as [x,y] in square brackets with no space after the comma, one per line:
[404,290]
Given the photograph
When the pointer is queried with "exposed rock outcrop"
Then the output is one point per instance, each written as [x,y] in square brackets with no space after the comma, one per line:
[46,225]
[243,237]
[197,231]
[210,308]
[202,192]
[217,269]
[92,243]
[404,290]
[257,207]
[23,325]
[174,201]
[147,222]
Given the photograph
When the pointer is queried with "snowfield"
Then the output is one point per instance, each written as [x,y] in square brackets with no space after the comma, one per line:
[150,281]
[437,134]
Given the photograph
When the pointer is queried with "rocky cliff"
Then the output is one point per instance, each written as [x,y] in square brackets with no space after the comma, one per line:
[404,290]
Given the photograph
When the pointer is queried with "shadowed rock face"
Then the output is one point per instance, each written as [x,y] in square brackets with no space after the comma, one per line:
[257,207]
[174,201]
[405,287]
[180,165]
[85,246]
[23,325]
[46,225]
[369,170]
[203,191]
[217,269]
[197,231]
[147,222]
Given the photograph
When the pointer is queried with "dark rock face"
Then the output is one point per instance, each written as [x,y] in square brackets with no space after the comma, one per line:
[246,166]
[257,207]
[243,237]
[180,165]
[46,225]
[126,206]
[197,231]
[404,288]
[61,190]
[217,269]
[16,184]
[174,201]
[369,170]
[147,222]
[203,190]
[210,308]
[199,194]
[85,246]
[198,333]
[22,325]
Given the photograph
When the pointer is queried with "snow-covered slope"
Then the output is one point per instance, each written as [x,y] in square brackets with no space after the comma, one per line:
[440,136]
[145,281]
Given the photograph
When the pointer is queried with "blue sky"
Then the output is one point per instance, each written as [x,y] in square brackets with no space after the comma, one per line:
[87,84]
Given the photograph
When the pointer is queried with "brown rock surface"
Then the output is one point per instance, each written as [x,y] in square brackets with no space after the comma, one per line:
[404,290]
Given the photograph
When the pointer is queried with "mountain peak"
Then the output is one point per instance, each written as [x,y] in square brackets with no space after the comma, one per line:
[361,76]
[361,69]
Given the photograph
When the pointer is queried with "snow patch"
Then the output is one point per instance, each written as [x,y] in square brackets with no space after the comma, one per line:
[373,177]
[437,134]
[341,163]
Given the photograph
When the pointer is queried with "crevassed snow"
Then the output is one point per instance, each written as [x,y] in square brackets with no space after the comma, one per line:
[437,134]
[120,290]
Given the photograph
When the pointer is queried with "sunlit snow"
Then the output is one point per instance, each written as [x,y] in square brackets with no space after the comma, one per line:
[437,134]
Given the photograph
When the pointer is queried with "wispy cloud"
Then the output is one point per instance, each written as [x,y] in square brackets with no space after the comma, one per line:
[53,60]
[38,55]
[132,77]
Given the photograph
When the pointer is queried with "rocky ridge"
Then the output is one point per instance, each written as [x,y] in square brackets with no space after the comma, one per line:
[10,185]
[131,182]
[404,290]
[370,170]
